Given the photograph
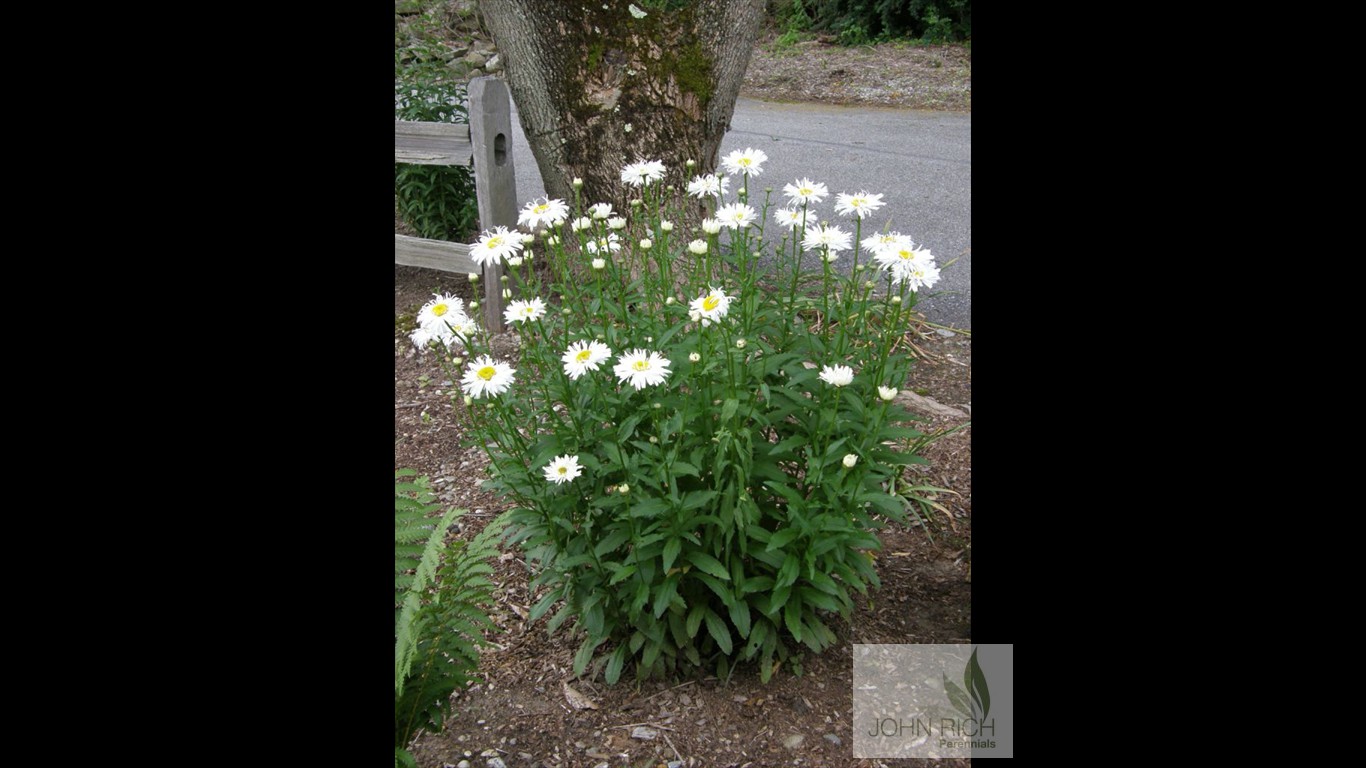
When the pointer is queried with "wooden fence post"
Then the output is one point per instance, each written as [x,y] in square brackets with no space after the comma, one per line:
[494,179]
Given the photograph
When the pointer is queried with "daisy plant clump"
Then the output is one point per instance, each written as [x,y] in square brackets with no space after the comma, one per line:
[699,433]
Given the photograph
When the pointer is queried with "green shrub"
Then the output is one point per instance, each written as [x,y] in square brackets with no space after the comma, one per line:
[437,201]
[440,594]
[713,497]
[856,22]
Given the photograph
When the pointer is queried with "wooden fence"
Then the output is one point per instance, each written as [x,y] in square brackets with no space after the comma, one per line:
[486,143]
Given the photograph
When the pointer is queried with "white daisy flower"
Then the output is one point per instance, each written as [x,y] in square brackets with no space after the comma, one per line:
[859,206]
[616,222]
[441,308]
[580,224]
[711,226]
[495,246]
[583,356]
[708,185]
[642,368]
[563,469]
[712,306]
[697,247]
[828,237]
[485,376]
[747,161]
[642,172]
[791,217]
[881,240]
[805,191]
[543,212]
[609,244]
[837,375]
[600,210]
[886,393]
[525,311]
[917,275]
[736,215]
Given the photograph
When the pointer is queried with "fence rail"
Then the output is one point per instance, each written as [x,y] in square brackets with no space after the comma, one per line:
[486,144]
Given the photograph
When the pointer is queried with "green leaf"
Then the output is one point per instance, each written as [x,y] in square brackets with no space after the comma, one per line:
[718,630]
[628,426]
[695,619]
[665,595]
[728,409]
[671,549]
[612,541]
[623,574]
[787,575]
[614,664]
[783,538]
[739,616]
[708,564]
[585,654]
[649,508]
[696,499]
[682,469]
[792,617]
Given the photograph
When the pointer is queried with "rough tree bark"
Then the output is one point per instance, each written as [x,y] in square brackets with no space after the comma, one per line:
[581,71]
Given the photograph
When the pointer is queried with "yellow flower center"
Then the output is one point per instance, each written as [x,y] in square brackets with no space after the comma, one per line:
[907,255]
[709,303]
[486,373]
[805,191]
[440,309]
[856,202]
[641,365]
[542,208]
[562,469]
[495,241]
[583,356]
[743,161]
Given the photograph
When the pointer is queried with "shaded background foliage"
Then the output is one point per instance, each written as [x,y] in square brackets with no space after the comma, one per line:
[855,22]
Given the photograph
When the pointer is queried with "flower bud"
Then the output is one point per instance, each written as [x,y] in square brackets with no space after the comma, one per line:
[457,360]
[690,163]
[474,277]
[896,299]
[503,279]
[868,284]
[711,226]
[694,357]
[528,239]
[694,315]
[552,240]
[646,244]
[666,225]
[566,312]
[581,223]
[599,263]
[507,293]
[697,247]
[624,489]
[657,406]
[578,183]
[616,222]
[850,460]
[474,305]
[469,400]
[886,393]
[626,128]
[653,440]
[668,301]
[739,343]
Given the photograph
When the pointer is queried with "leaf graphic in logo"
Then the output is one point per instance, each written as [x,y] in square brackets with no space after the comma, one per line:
[976,683]
[957,698]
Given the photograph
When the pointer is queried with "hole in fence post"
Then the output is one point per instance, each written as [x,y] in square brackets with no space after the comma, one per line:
[500,150]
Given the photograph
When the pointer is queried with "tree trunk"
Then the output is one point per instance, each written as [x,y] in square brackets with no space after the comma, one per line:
[581,72]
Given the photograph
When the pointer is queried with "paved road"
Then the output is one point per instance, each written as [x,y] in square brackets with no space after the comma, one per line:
[920,161]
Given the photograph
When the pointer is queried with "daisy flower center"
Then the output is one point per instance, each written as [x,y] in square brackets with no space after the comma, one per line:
[541,208]
[710,303]
[495,241]
[907,255]
[583,356]
[743,161]
[856,202]
[486,373]
[440,309]
[805,191]
[641,365]
[562,470]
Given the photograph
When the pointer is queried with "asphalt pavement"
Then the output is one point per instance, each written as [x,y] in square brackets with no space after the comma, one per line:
[919,161]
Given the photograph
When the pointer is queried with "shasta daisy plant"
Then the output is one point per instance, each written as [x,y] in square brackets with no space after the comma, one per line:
[698,452]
